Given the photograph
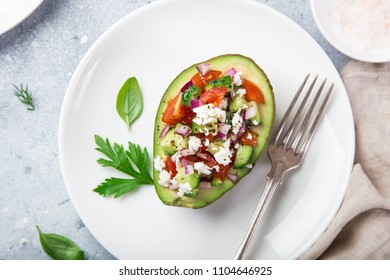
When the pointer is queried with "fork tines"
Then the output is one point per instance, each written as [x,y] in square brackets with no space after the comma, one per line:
[295,132]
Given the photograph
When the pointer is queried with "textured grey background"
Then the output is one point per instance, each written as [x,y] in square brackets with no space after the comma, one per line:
[43,52]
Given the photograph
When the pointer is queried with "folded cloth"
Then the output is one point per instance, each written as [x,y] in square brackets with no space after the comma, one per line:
[361,227]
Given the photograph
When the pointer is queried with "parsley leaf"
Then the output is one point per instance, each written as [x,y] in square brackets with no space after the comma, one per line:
[134,162]
[117,186]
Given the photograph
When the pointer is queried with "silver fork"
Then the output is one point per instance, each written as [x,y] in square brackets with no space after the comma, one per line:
[288,147]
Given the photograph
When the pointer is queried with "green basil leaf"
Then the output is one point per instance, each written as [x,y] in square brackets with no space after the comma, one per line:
[59,247]
[224,81]
[129,103]
[192,92]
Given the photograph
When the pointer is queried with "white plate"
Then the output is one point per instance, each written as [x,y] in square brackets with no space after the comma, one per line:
[155,43]
[13,12]
[322,15]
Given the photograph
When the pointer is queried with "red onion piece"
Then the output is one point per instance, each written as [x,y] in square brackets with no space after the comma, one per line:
[186,86]
[233,177]
[183,130]
[232,93]
[231,72]
[182,153]
[224,128]
[203,68]
[187,152]
[205,156]
[195,103]
[241,131]
[188,168]
[204,185]
[249,113]
[221,135]
[223,104]
[164,131]
[172,187]
[233,137]
[175,155]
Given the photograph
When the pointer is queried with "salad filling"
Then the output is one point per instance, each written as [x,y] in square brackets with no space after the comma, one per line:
[210,130]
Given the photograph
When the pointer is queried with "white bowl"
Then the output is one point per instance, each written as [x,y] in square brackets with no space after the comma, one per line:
[322,15]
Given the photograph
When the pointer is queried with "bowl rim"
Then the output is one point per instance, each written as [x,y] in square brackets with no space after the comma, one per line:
[338,44]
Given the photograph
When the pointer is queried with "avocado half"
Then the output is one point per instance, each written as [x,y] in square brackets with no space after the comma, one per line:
[222,63]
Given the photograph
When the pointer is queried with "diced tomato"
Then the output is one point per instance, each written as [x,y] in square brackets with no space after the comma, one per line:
[189,116]
[213,95]
[197,80]
[193,158]
[211,75]
[253,93]
[170,166]
[223,171]
[248,138]
[176,112]
[201,81]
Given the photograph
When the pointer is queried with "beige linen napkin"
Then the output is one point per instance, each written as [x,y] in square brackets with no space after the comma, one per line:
[361,228]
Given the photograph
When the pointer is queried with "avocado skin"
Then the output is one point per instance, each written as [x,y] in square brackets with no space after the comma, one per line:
[222,63]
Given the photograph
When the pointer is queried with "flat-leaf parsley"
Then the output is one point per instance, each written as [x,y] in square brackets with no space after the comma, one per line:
[134,161]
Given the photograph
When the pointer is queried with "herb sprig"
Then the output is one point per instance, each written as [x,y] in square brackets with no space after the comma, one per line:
[25,96]
[134,161]
[59,247]
[129,103]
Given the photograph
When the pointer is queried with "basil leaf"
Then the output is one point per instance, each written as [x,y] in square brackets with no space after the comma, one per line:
[192,92]
[225,81]
[129,103]
[59,247]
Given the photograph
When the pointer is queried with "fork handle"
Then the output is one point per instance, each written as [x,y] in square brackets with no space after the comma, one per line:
[274,179]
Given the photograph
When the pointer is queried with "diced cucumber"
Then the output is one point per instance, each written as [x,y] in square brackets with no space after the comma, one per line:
[216,182]
[237,104]
[192,179]
[196,128]
[256,119]
[208,128]
[215,146]
[172,142]
[243,156]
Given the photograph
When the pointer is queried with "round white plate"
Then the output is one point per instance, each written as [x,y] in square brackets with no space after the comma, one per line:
[154,44]
[13,12]
[322,15]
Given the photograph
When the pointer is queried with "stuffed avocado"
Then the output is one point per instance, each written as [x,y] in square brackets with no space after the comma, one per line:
[212,124]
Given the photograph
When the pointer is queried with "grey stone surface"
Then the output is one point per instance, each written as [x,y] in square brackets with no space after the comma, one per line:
[43,51]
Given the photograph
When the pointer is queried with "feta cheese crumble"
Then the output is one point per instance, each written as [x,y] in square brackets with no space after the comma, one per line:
[159,163]
[241,92]
[202,168]
[184,188]
[237,122]
[237,79]
[164,178]
[208,113]
[194,143]
[223,156]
